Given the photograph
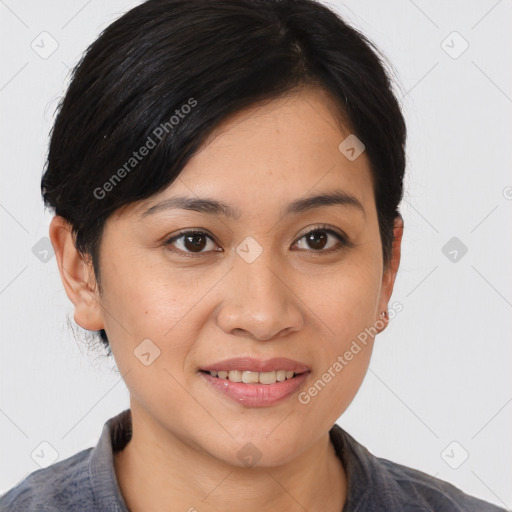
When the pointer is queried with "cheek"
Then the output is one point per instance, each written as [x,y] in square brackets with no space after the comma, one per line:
[346,305]
[346,300]
[147,300]
[151,324]
[342,361]
[334,388]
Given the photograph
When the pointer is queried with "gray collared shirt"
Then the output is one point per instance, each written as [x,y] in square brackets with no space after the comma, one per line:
[87,481]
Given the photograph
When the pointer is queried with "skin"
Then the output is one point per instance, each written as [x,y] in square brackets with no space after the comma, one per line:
[299,303]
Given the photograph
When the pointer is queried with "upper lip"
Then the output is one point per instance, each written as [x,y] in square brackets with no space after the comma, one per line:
[249,364]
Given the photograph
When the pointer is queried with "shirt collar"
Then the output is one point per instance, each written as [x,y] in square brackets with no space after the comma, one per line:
[356,459]
[114,436]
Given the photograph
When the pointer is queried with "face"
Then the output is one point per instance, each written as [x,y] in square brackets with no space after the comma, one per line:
[271,275]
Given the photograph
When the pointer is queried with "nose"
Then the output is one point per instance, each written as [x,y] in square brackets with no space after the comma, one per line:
[259,301]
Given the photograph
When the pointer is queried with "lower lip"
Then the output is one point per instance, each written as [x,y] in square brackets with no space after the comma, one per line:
[256,395]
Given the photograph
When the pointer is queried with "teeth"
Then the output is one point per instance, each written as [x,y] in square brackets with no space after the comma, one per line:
[250,377]
[235,376]
[268,378]
[253,377]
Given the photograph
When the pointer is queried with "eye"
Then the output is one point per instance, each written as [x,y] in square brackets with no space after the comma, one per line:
[194,243]
[318,240]
[191,243]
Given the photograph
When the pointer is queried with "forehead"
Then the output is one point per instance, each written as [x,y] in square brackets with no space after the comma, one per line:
[289,127]
[274,152]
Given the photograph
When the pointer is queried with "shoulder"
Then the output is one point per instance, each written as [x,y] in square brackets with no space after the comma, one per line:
[378,485]
[428,492]
[64,485]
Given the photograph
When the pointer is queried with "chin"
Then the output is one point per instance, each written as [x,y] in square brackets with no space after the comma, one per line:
[261,452]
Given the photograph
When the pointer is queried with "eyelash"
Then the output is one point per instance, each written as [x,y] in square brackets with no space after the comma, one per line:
[343,241]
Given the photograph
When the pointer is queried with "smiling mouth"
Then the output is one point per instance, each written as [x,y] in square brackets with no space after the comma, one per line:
[248,377]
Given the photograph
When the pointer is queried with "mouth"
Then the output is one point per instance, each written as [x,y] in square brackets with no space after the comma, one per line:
[248,377]
[254,383]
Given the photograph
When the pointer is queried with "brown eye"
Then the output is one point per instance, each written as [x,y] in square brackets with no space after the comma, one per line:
[190,243]
[194,243]
[318,240]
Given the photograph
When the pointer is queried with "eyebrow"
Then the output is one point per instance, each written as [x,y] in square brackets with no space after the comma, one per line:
[214,207]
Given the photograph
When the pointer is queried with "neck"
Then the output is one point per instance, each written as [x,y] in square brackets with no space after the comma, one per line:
[171,475]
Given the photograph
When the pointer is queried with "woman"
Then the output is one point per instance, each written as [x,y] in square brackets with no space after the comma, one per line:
[226,179]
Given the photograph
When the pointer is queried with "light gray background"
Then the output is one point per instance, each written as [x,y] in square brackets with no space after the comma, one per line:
[440,373]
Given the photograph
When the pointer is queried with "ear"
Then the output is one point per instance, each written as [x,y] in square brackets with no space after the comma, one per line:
[389,276]
[77,276]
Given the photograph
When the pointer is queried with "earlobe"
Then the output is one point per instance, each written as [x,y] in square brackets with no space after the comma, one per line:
[77,276]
